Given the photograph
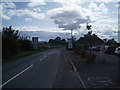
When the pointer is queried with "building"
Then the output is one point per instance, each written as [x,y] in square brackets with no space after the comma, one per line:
[85,43]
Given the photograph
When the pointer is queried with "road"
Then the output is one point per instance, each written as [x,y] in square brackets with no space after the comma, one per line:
[48,69]
[52,69]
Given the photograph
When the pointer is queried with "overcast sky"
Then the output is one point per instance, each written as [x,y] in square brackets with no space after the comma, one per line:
[56,18]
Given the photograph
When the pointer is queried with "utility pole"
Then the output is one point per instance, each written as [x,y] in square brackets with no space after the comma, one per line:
[72,37]
[71,34]
[70,41]
[104,51]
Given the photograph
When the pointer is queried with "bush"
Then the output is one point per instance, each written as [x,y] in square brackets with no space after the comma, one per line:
[10,42]
[90,58]
[82,53]
[26,45]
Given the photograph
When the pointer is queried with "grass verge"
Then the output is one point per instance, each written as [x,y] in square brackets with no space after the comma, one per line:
[25,53]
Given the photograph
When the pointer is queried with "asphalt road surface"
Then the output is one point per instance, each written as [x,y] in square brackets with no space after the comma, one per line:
[47,69]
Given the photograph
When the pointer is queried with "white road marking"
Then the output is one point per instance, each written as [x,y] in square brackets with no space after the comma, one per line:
[49,53]
[43,58]
[15,76]
[77,73]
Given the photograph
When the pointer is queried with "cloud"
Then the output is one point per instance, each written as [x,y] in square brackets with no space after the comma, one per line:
[105,0]
[35,3]
[37,9]
[43,34]
[117,5]
[82,1]
[61,0]
[108,20]
[35,28]
[28,19]
[105,30]
[8,5]
[27,28]
[6,17]
[23,12]
[3,7]
[101,9]
[65,2]
[69,17]
[9,10]
[93,6]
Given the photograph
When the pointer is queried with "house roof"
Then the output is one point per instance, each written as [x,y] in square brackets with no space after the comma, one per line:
[83,40]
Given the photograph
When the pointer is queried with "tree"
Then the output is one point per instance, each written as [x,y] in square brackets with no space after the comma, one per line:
[111,42]
[26,45]
[63,40]
[10,42]
[51,41]
[88,27]
[57,40]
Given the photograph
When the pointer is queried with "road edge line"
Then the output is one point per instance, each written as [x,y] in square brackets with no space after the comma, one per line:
[77,73]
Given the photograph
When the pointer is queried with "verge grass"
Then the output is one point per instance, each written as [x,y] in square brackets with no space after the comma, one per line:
[22,54]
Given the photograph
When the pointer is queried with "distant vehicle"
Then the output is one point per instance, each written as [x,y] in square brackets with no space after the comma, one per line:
[70,46]
[110,49]
[95,48]
[103,48]
[117,51]
[92,48]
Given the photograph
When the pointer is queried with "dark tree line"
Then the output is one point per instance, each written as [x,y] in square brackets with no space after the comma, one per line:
[57,40]
[12,43]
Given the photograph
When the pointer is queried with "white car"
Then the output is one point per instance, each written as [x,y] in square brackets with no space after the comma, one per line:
[117,51]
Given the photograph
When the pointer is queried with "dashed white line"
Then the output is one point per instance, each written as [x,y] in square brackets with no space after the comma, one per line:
[77,73]
[15,76]
[49,53]
[43,58]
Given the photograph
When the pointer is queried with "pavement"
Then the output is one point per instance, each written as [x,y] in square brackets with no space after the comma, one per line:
[98,74]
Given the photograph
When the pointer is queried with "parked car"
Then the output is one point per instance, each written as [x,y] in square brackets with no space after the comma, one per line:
[117,51]
[103,48]
[95,48]
[110,49]
[92,48]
